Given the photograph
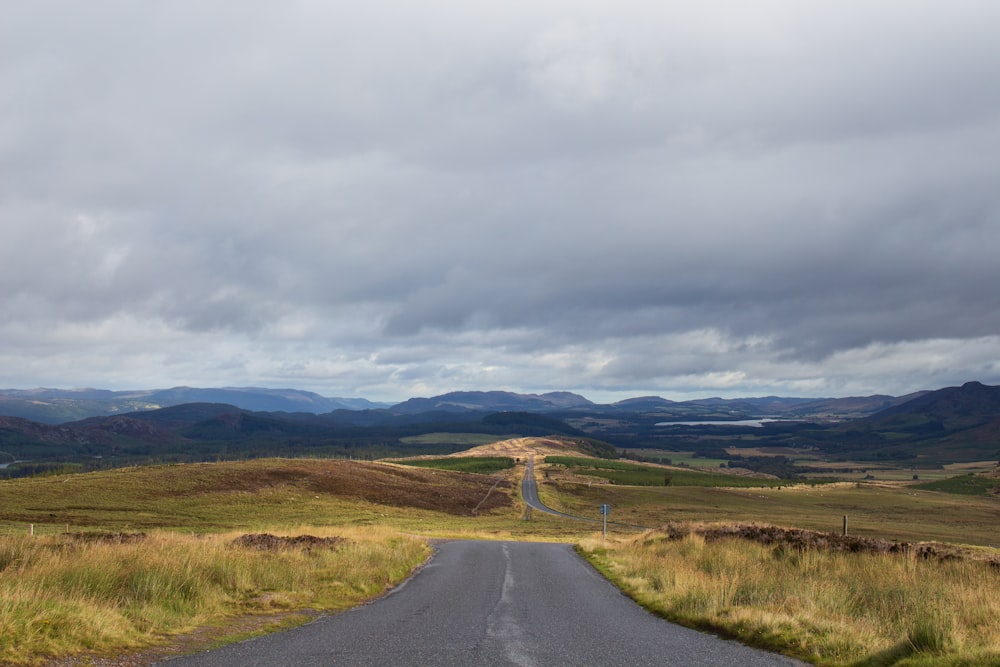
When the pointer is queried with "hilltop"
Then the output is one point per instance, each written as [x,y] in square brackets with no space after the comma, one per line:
[522,448]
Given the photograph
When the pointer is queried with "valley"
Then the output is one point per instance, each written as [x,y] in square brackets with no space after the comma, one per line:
[290,502]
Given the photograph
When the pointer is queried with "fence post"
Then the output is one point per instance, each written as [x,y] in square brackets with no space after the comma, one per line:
[845,525]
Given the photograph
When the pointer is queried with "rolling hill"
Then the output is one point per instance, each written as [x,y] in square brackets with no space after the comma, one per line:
[947,425]
[964,420]
[212,431]
[492,401]
[57,406]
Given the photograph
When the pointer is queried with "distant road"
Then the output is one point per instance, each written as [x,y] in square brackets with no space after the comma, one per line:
[529,491]
[492,603]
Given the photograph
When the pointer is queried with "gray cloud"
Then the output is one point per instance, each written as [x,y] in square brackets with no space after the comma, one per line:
[612,198]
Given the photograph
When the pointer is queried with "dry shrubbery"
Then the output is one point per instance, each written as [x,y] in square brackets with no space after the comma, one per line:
[800,539]
[269,542]
[93,593]
[105,537]
[822,597]
[399,486]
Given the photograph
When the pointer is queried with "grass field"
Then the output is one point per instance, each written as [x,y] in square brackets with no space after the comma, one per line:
[969,485]
[63,594]
[677,458]
[829,608]
[69,594]
[637,474]
[482,465]
[875,510]
[191,515]
[807,463]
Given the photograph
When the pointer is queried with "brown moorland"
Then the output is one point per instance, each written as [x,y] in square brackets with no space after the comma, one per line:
[227,495]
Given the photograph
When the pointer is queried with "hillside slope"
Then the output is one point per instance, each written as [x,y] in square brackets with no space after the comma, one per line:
[240,493]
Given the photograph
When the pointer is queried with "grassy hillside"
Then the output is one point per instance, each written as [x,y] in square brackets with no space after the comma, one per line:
[159,556]
[138,559]
[482,465]
[210,432]
[240,495]
[634,474]
[874,509]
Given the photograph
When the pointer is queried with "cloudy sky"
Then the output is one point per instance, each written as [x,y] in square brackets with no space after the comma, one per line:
[396,199]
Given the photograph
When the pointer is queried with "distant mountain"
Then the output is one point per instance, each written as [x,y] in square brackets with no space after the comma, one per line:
[212,431]
[962,421]
[177,416]
[950,424]
[492,401]
[643,404]
[853,407]
[952,408]
[53,406]
[747,407]
[823,409]
[79,437]
[57,406]
[259,399]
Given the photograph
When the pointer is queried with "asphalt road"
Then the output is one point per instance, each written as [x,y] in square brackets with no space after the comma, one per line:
[529,491]
[492,603]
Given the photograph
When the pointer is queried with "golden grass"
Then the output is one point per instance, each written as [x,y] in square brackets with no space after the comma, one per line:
[239,495]
[63,596]
[874,510]
[828,608]
[523,448]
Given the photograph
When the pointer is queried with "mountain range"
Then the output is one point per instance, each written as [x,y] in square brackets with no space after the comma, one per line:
[950,424]
[58,406]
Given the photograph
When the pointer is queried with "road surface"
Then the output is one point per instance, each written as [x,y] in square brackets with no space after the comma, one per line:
[529,491]
[492,603]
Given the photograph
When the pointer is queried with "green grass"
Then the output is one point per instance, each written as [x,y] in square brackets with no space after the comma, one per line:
[483,465]
[636,474]
[597,464]
[969,485]
[677,458]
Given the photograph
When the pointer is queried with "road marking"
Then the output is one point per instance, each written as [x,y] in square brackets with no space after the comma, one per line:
[502,624]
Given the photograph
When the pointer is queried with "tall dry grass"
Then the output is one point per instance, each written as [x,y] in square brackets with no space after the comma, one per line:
[62,596]
[828,608]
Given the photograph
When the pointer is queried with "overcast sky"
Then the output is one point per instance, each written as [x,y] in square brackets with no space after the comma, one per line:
[396,199]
